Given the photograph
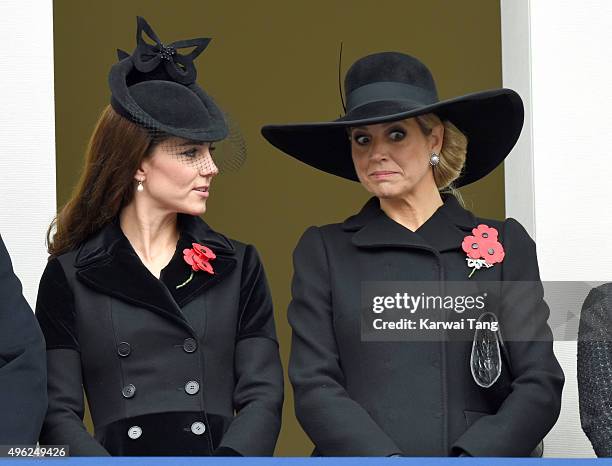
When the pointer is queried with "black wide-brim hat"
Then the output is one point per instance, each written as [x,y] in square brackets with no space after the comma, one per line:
[156,88]
[392,86]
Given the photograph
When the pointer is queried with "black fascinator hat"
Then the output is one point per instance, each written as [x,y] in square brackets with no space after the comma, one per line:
[156,88]
[392,86]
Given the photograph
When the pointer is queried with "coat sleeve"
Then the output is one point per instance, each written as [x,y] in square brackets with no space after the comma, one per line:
[55,311]
[532,407]
[595,369]
[337,425]
[258,393]
[23,391]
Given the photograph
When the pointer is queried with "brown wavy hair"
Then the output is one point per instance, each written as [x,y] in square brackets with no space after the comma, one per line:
[114,153]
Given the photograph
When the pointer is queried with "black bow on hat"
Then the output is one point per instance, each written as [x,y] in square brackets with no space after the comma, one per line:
[156,88]
[147,57]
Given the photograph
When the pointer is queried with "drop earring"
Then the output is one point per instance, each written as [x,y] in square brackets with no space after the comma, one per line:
[140,187]
[434,159]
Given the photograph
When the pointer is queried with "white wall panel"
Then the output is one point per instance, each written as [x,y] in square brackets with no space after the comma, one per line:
[570,100]
[27,135]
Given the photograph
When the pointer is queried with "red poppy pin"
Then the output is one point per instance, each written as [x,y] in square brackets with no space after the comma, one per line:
[482,248]
[198,257]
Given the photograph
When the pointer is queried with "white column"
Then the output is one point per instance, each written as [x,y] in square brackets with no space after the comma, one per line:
[516,70]
[570,101]
[27,135]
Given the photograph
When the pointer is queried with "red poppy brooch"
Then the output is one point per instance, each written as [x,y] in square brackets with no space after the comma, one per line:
[198,257]
[482,248]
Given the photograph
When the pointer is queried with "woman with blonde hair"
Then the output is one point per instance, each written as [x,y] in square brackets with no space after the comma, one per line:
[470,394]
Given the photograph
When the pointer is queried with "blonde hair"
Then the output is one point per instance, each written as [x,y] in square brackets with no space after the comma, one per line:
[453,152]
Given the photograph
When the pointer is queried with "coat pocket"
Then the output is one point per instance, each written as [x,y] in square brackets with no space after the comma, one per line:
[8,357]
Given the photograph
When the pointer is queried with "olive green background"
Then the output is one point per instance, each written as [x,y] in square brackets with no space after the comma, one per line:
[274,61]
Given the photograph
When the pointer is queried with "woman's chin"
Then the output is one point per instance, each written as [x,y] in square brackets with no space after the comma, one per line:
[387,192]
[393,191]
[195,210]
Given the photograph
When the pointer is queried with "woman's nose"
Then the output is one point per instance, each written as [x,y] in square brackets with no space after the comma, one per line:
[379,150]
[208,167]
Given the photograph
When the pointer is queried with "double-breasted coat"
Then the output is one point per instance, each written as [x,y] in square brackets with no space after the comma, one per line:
[193,370]
[23,393]
[415,398]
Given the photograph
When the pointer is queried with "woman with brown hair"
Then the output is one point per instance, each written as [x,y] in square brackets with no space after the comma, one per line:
[165,323]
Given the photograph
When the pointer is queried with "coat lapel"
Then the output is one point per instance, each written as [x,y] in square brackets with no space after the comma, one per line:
[373,229]
[443,231]
[195,230]
[448,226]
[384,232]
[108,264]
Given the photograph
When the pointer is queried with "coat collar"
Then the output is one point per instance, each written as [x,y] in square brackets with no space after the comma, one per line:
[107,263]
[443,231]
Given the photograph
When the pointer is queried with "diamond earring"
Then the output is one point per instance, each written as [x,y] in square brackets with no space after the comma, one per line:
[434,159]
[140,187]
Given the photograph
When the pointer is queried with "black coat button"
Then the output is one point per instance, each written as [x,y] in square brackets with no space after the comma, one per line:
[128,391]
[190,345]
[124,349]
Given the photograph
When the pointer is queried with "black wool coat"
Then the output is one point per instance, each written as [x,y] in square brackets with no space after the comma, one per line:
[372,398]
[192,371]
[23,378]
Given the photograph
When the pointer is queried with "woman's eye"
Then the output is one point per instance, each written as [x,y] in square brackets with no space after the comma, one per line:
[397,135]
[362,140]
[190,153]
